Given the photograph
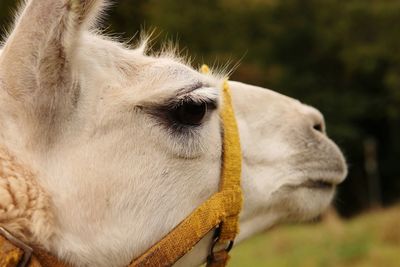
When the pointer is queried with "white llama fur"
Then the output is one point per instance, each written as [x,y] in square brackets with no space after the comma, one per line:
[110,178]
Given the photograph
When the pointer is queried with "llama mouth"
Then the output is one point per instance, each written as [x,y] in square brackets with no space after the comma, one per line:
[318,184]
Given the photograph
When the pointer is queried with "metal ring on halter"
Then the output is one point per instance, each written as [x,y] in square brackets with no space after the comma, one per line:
[227,249]
[27,250]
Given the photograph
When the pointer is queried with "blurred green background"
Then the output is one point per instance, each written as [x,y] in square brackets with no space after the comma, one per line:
[340,56]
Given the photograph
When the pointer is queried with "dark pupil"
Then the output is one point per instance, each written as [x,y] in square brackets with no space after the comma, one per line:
[191,113]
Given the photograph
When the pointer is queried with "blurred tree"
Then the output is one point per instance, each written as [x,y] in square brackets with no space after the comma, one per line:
[6,10]
[126,17]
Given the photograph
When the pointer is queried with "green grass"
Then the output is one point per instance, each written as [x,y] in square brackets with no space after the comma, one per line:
[371,240]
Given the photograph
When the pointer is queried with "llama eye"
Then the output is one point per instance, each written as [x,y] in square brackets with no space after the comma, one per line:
[189,113]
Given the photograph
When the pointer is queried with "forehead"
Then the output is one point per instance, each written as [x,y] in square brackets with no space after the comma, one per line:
[165,77]
[141,74]
[166,71]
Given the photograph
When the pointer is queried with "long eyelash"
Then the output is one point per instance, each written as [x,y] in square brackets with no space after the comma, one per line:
[163,114]
[186,99]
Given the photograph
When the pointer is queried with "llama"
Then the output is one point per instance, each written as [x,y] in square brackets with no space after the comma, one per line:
[116,147]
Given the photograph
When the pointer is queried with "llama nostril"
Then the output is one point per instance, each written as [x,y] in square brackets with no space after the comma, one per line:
[314,119]
[318,127]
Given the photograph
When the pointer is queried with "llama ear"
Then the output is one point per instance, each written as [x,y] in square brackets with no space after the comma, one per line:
[36,62]
[88,11]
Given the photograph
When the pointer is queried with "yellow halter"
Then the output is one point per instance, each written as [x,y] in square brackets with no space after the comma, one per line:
[220,213]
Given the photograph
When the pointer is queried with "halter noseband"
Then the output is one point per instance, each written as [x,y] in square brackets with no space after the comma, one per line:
[220,213]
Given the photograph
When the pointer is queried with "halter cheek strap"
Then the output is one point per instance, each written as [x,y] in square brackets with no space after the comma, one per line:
[220,213]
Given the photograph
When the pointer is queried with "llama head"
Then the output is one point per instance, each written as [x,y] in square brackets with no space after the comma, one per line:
[126,145]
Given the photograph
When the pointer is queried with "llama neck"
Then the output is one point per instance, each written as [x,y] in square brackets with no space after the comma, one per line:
[25,209]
